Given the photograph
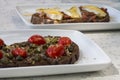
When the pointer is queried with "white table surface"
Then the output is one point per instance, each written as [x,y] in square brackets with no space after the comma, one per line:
[109,41]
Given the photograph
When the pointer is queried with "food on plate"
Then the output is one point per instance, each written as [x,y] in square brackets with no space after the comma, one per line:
[39,50]
[92,13]
[73,12]
[84,13]
[96,10]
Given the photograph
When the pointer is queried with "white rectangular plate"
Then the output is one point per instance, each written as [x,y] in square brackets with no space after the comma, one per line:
[92,57]
[25,12]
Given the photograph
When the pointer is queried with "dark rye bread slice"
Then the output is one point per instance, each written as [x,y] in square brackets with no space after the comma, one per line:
[36,55]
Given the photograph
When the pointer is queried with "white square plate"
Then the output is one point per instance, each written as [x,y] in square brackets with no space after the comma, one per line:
[25,12]
[92,57]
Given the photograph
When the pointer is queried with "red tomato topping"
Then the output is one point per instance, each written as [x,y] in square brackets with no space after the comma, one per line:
[37,39]
[19,52]
[55,51]
[65,41]
[1,55]
[1,42]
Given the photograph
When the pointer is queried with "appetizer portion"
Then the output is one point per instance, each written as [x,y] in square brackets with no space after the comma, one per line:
[86,13]
[39,50]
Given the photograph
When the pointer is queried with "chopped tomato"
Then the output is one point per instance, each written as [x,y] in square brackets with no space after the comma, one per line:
[19,52]
[65,41]
[37,39]
[55,51]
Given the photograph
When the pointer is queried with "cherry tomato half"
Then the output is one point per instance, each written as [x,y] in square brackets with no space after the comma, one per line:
[1,55]
[1,42]
[37,39]
[19,52]
[55,51]
[65,41]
